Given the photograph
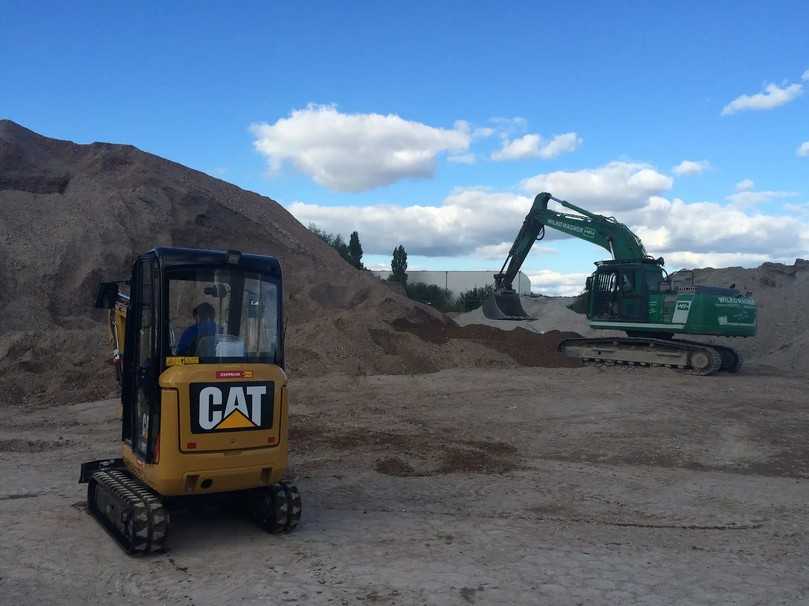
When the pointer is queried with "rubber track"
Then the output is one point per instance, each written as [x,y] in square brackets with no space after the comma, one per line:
[144,521]
[670,344]
[276,508]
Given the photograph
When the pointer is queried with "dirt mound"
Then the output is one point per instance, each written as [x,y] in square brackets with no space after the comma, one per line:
[525,347]
[71,215]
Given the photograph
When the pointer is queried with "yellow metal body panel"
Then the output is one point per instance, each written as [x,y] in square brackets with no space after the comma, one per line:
[119,325]
[196,463]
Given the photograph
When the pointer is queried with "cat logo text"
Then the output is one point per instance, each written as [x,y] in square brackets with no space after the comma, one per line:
[231,406]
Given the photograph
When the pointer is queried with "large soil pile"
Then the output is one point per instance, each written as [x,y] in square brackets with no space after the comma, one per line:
[71,215]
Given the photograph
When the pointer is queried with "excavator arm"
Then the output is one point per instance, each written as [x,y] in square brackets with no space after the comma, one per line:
[603,231]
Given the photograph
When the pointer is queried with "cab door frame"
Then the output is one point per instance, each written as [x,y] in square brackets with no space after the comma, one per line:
[140,390]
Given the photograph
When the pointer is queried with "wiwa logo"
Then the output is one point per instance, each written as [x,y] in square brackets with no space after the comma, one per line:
[681,311]
[588,232]
[231,406]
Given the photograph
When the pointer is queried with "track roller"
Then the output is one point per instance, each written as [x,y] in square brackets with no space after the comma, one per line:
[276,508]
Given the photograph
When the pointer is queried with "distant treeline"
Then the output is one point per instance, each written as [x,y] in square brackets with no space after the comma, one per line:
[429,294]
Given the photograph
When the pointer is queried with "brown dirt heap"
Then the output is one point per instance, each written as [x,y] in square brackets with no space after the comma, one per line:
[72,215]
[526,347]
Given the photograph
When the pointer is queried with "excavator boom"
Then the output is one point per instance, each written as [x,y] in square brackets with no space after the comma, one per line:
[603,231]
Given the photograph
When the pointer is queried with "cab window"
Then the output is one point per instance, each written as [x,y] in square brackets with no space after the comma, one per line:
[223,315]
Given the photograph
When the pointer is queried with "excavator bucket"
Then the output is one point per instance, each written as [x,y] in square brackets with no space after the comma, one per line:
[504,306]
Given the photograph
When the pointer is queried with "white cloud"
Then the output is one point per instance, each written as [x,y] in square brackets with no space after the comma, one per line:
[356,152]
[462,158]
[493,251]
[555,284]
[526,146]
[773,96]
[750,198]
[532,146]
[561,144]
[745,185]
[799,209]
[463,222]
[805,76]
[691,167]
[679,227]
[803,149]
[509,126]
[483,223]
[482,132]
[614,186]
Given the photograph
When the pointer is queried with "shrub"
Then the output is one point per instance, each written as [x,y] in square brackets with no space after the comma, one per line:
[472,299]
[431,294]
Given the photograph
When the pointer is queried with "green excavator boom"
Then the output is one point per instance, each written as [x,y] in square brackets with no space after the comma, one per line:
[603,231]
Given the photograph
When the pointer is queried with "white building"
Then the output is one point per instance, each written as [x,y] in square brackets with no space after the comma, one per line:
[458,282]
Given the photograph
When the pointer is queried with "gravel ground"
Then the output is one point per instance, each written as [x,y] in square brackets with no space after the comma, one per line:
[509,486]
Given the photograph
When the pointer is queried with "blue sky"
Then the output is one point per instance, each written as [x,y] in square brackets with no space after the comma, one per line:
[357,107]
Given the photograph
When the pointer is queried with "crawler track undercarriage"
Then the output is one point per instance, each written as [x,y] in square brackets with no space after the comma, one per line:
[691,356]
[139,518]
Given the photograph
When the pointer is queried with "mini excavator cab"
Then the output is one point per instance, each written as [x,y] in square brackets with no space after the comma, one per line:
[201,377]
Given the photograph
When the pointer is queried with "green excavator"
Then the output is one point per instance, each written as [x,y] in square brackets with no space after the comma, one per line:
[631,293]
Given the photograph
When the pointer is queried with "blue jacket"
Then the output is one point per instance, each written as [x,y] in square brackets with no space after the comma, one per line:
[188,341]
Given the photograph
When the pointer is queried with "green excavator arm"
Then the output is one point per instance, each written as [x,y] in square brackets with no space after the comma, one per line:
[603,231]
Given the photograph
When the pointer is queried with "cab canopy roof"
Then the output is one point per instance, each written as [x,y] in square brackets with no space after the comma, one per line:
[645,260]
[183,257]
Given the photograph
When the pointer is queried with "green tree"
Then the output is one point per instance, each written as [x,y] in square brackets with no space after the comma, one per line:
[335,241]
[472,299]
[355,250]
[398,265]
[430,294]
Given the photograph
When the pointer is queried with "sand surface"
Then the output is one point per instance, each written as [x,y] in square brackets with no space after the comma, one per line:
[511,486]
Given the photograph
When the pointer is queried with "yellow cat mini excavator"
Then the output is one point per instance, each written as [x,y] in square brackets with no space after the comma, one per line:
[198,342]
